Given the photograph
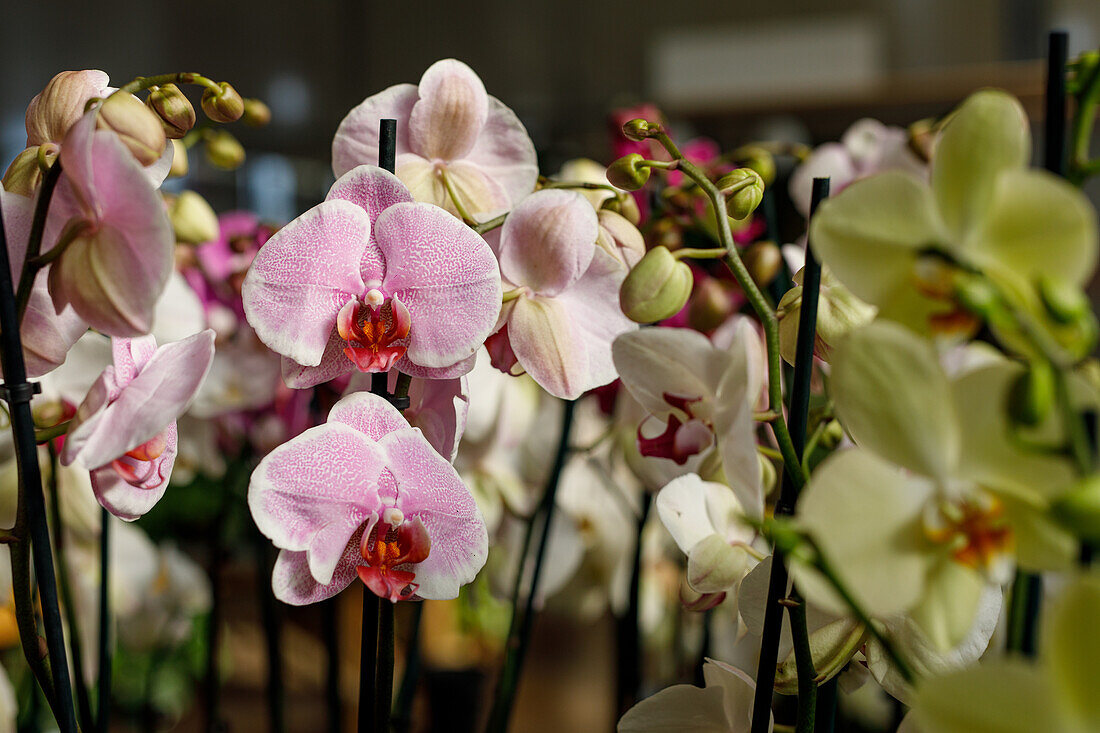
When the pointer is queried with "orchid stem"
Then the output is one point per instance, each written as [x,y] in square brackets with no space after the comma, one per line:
[34,243]
[519,631]
[402,711]
[45,435]
[368,659]
[383,685]
[629,668]
[803,658]
[103,685]
[182,77]
[491,224]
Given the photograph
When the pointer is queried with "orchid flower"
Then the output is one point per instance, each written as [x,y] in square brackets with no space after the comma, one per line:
[369,280]
[125,430]
[723,706]
[118,242]
[453,141]
[564,311]
[365,495]
[1013,695]
[705,396]
[892,238]
[936,502]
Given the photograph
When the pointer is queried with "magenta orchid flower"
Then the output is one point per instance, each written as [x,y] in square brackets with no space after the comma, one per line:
[46,334]
[449,132]
[125,430]
[118,240]
[369,280]
[365,496]
[565,312]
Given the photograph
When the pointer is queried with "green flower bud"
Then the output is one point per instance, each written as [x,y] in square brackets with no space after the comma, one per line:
[657,287]
[192,218]
[638,129]
[769,476]
[24,174]
[1079,509]
[743,189]
[180,164]
[627,172]
[173,108]
[976,294]
[831,647]
[763,260]
[223,105]
[838,312]
[256,113]
[1031,396]
[758,159]
[223,150]
[138,128]
[1064,302]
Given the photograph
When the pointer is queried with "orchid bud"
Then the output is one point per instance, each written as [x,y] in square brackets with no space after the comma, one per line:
[838,312]
[1031,396]
[758,159]
[693,600]
[636,129]
[714,565]
[711,304]
[223,150]
[1064,302]
[1079,509]
[743,189]
[627,172]
[831,647]
[769,476]
[60,104]
[657,287]
[256,113]
[625,206]
[24,174]
[192,219]
[223,104]
[180,164]
[138,128]
[763,260]
[173,108]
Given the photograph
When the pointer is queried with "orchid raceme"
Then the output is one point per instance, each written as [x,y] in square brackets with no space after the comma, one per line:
[893,240]
[369,280]
[115,243]
[937,501]
[565,312]
[364,495]
[705,396]
[125,430]
[457,147]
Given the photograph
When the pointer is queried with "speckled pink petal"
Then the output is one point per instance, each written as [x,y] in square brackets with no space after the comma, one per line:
[334,363]
[450,112]
[429,489]
[327,474]
[368,413]
[303,275]
[548,241]
[437,406]
[356,140]
[129,502]
[446,276]
[158,395]
[375,190]
[458,369]
[505,153]
[130,355]
[292,581]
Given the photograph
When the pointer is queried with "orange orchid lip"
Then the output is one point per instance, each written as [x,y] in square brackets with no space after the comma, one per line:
[371,330]
[389,548]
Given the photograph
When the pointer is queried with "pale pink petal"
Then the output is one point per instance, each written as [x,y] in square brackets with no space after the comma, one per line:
[446,276]
[157,171]
[479,192]
[438,407]
[46,334]
[832,161]
[129,502]
[89,415]
[423,180]
[293,583]
[130,355]
[450,112]
[368,413]
[158,395]
[61,103]
[548,344]
[505,153]
[329,471]
[334,363]
[303,275]
[356,140]
[375,190]
[548,241]
[429,489]
[18,214]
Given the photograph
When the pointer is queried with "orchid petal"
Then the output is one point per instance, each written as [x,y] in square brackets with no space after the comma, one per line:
[893,397]
[46,334]
[55,109]
[446,276]
[1071,642]
[356,139]
[985,137]
[333,364]
[293,583]
[949,603]
[374,190]
[370,414]
[481,195]
[303,275]
[548,346]
[548,241]
[504,152]
[1002,695]
[653,362]
[129,502]
[450,113]
[693,509]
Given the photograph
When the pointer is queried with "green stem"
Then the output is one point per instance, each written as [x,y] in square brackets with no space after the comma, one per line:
[34,243]
[453,194]
[44,435]
[1083,120]
[182,77]
[811,444]
[804,664]
[581,185]
[493,223]
[710,253]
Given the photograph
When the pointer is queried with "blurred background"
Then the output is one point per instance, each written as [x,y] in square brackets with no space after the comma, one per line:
[732,70]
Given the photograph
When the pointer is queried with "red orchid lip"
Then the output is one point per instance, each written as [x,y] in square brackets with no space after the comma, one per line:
[372,329]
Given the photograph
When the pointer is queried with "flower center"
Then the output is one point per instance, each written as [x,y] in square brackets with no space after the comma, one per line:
[681,439]
[976,531]
[371,329]
[391,543]
[139,467]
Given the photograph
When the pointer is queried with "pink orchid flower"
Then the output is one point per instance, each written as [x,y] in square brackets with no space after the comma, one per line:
[437,406]
[366,496]
[448,131]
[121,246]
[369,280]
[125,430]
[46,334]
[565,312]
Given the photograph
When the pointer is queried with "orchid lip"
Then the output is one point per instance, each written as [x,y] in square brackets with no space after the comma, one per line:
[372,330]
[392,546]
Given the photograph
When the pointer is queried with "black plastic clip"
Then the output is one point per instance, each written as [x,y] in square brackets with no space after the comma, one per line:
[401,403]
[19,392]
